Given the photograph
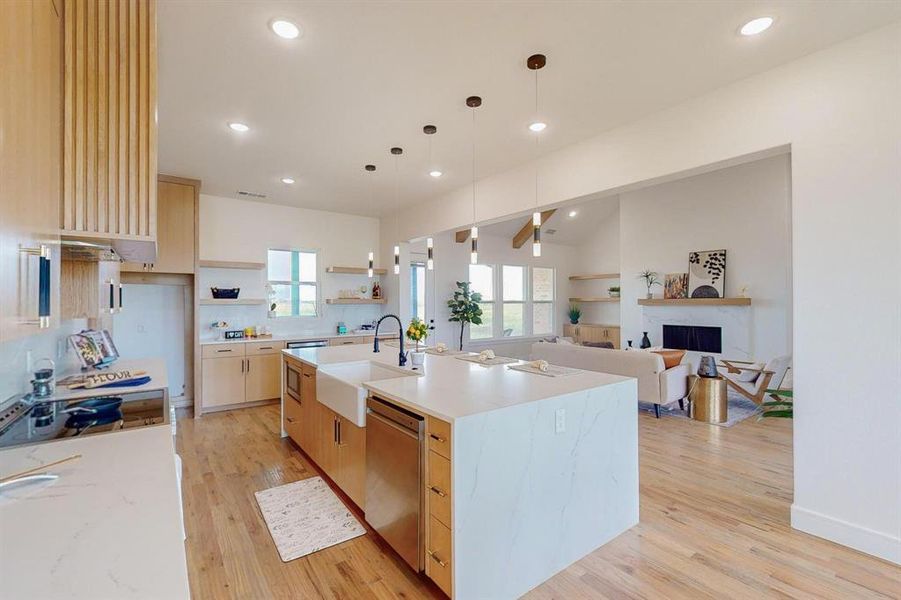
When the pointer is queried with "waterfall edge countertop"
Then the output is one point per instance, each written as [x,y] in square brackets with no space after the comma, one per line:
[449,388]
[109,527]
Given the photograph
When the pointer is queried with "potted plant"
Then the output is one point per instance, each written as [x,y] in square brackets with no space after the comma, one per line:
[575,313]
[651,278]
[783,407]
[417,332]
[613,290]
[464,307]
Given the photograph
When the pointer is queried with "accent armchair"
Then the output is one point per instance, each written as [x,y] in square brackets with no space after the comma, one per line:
[740,376]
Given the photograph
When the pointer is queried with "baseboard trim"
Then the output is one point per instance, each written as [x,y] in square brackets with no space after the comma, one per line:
[871,542]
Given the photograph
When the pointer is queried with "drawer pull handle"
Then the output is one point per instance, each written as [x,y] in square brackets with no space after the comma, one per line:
[437,438]
[439,491]
[290,419]
[307,375]
[223,350]
[436,559]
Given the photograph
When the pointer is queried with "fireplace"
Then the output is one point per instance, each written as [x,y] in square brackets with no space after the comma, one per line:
[694,338]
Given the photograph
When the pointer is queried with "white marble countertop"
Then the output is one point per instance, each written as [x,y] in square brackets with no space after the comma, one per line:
[300,337]
[450,388]
[155,368]
[109,527]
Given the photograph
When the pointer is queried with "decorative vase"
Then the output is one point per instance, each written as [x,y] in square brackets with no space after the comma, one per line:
[650,296]
[573,321]
[630,343]
[417,358]
[645,342]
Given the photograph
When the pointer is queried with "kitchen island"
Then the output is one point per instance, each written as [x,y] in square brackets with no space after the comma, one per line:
[524,473]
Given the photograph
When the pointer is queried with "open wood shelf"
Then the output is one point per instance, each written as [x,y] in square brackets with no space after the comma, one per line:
[355,301]
[230,301]
[355,271]
[594,299]
[231,264]
[590,276]
[695,302]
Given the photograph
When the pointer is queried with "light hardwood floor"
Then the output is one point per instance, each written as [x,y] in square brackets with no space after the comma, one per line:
[714,524]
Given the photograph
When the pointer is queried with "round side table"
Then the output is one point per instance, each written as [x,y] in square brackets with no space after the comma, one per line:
[708,399]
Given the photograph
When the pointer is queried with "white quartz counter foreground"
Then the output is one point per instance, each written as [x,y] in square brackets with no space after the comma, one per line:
[301,337]
[450,388]
[109,527]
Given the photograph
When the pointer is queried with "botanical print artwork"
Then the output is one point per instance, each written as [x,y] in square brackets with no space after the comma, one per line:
[675,286]
[706,274]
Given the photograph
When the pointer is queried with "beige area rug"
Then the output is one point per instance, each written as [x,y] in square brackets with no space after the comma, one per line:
[306,516]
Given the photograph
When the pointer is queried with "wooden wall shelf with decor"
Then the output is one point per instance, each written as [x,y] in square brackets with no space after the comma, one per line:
[232,301]
[355,301]
[591,276]
[594,299]
[231,264]
[355,271]
[695,302]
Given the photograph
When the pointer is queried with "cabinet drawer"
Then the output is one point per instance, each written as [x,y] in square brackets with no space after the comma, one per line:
[439,437]
[438,555]
[342,341]
[258,348]
[439,488]
[222,350]
[293,418]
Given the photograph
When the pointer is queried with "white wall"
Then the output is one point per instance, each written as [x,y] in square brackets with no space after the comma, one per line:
[239,230]
[838,111]
[599,254]
[15,368]
[452,265]
[744,209]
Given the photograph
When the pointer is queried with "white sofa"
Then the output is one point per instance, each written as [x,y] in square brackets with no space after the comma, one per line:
[656,385]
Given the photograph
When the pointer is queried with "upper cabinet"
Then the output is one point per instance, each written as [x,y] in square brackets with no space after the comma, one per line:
[110,127]
[31,34]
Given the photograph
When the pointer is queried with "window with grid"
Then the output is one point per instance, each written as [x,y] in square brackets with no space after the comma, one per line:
[481,278]
[293,277]
[542,300]
[513,289]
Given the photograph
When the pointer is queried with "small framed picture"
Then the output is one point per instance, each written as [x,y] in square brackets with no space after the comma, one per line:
[675,286]
[707,274]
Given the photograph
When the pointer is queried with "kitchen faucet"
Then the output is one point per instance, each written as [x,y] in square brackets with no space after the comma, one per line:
[402,357]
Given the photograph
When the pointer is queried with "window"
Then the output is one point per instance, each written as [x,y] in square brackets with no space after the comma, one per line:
[542,300]
[513,288]
[417,290]
[293,278]
[482,279]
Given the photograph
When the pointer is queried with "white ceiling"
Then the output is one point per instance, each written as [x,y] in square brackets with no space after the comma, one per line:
[366,76]
[570,231]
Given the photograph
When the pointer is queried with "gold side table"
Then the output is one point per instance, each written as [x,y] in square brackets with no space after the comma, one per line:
[708,399]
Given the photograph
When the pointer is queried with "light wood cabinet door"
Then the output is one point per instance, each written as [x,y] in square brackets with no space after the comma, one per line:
[89,289]
[110,166]
[293,419]
[262,378]
[351,474]
[223,381]
[328,442]
[30,155]
[438,556]
[311,433]
[175,230]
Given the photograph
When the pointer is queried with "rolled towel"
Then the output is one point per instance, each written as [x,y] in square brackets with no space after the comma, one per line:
[486,355]
[541,365]
[440,347]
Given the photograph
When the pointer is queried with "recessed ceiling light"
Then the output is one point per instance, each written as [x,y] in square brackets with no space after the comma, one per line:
[287,180]
[285,29]
[239,127]
[573,213]
[755,26]
[436,173]
[537,126]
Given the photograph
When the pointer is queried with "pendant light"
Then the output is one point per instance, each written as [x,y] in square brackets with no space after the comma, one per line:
[396,152]
[535,63]
[430,262]
[473,102]
[431,130]
[369,271]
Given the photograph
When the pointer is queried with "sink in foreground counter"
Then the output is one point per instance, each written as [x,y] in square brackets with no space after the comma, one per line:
[340,386]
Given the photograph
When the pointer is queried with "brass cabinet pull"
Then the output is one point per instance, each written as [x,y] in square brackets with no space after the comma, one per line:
[436,559]
[290,419]
[437,438]
[307,375]
[438,491]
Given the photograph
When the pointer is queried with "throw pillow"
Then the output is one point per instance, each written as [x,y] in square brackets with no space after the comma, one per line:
[750,376]
[671,358]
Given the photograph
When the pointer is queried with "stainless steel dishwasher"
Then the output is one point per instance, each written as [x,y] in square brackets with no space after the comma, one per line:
[394,472]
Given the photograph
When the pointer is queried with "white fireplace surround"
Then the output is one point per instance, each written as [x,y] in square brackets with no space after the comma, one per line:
[735,321]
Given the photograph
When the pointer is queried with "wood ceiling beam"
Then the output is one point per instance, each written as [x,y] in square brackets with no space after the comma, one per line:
[526,232]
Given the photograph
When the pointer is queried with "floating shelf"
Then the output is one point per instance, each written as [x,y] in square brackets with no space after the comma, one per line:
[591,276]
[355,301]
[229,301]
[695,302]
[594,299]
[355,271]
[231,264]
